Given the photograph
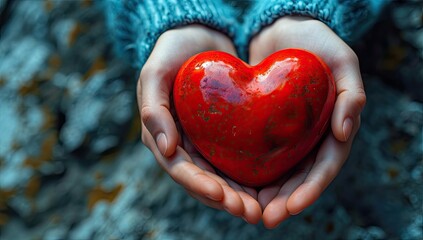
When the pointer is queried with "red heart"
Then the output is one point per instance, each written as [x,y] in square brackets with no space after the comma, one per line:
[254,123]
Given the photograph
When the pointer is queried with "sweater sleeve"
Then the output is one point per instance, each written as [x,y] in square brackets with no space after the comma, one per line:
[136,25]
[348,18]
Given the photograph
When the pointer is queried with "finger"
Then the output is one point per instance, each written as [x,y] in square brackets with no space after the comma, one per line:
[232,201]
[252,210]
[149,142]
[251,191]
[329,160]
[276,211]
[154,88]
[181,168]
[228,204]
[351,98]
[190,176]
[268,193]
[206,201]
[153,98]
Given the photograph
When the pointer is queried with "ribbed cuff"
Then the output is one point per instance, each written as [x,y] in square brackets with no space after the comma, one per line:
[348,19]
[138,24]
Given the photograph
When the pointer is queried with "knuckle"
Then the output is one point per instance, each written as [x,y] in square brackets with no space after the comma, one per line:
[176,173]
[156,69]
[361,99]
[146,114]
[146,138]
[347,55]
[332,171]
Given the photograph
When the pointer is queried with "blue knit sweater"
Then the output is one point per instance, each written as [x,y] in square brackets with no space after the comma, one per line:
[137,24]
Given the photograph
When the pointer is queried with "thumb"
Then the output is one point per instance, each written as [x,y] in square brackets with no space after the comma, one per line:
[153,100]
[350,101]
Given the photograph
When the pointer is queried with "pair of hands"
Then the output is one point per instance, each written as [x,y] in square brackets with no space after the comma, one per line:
[173,151]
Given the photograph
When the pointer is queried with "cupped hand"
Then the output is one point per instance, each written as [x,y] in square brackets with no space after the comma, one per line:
[293,193]
[160,132]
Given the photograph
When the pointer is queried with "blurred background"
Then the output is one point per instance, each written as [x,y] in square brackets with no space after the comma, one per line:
[72,165]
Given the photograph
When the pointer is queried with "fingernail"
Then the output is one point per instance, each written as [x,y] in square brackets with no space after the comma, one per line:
[211,197]
[295,213]
[347,128]
[161,142]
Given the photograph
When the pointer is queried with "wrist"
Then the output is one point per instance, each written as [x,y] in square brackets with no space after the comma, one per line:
[289,26]
[202,35]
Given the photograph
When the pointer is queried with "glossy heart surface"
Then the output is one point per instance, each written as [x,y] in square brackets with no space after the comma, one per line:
[254,123]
